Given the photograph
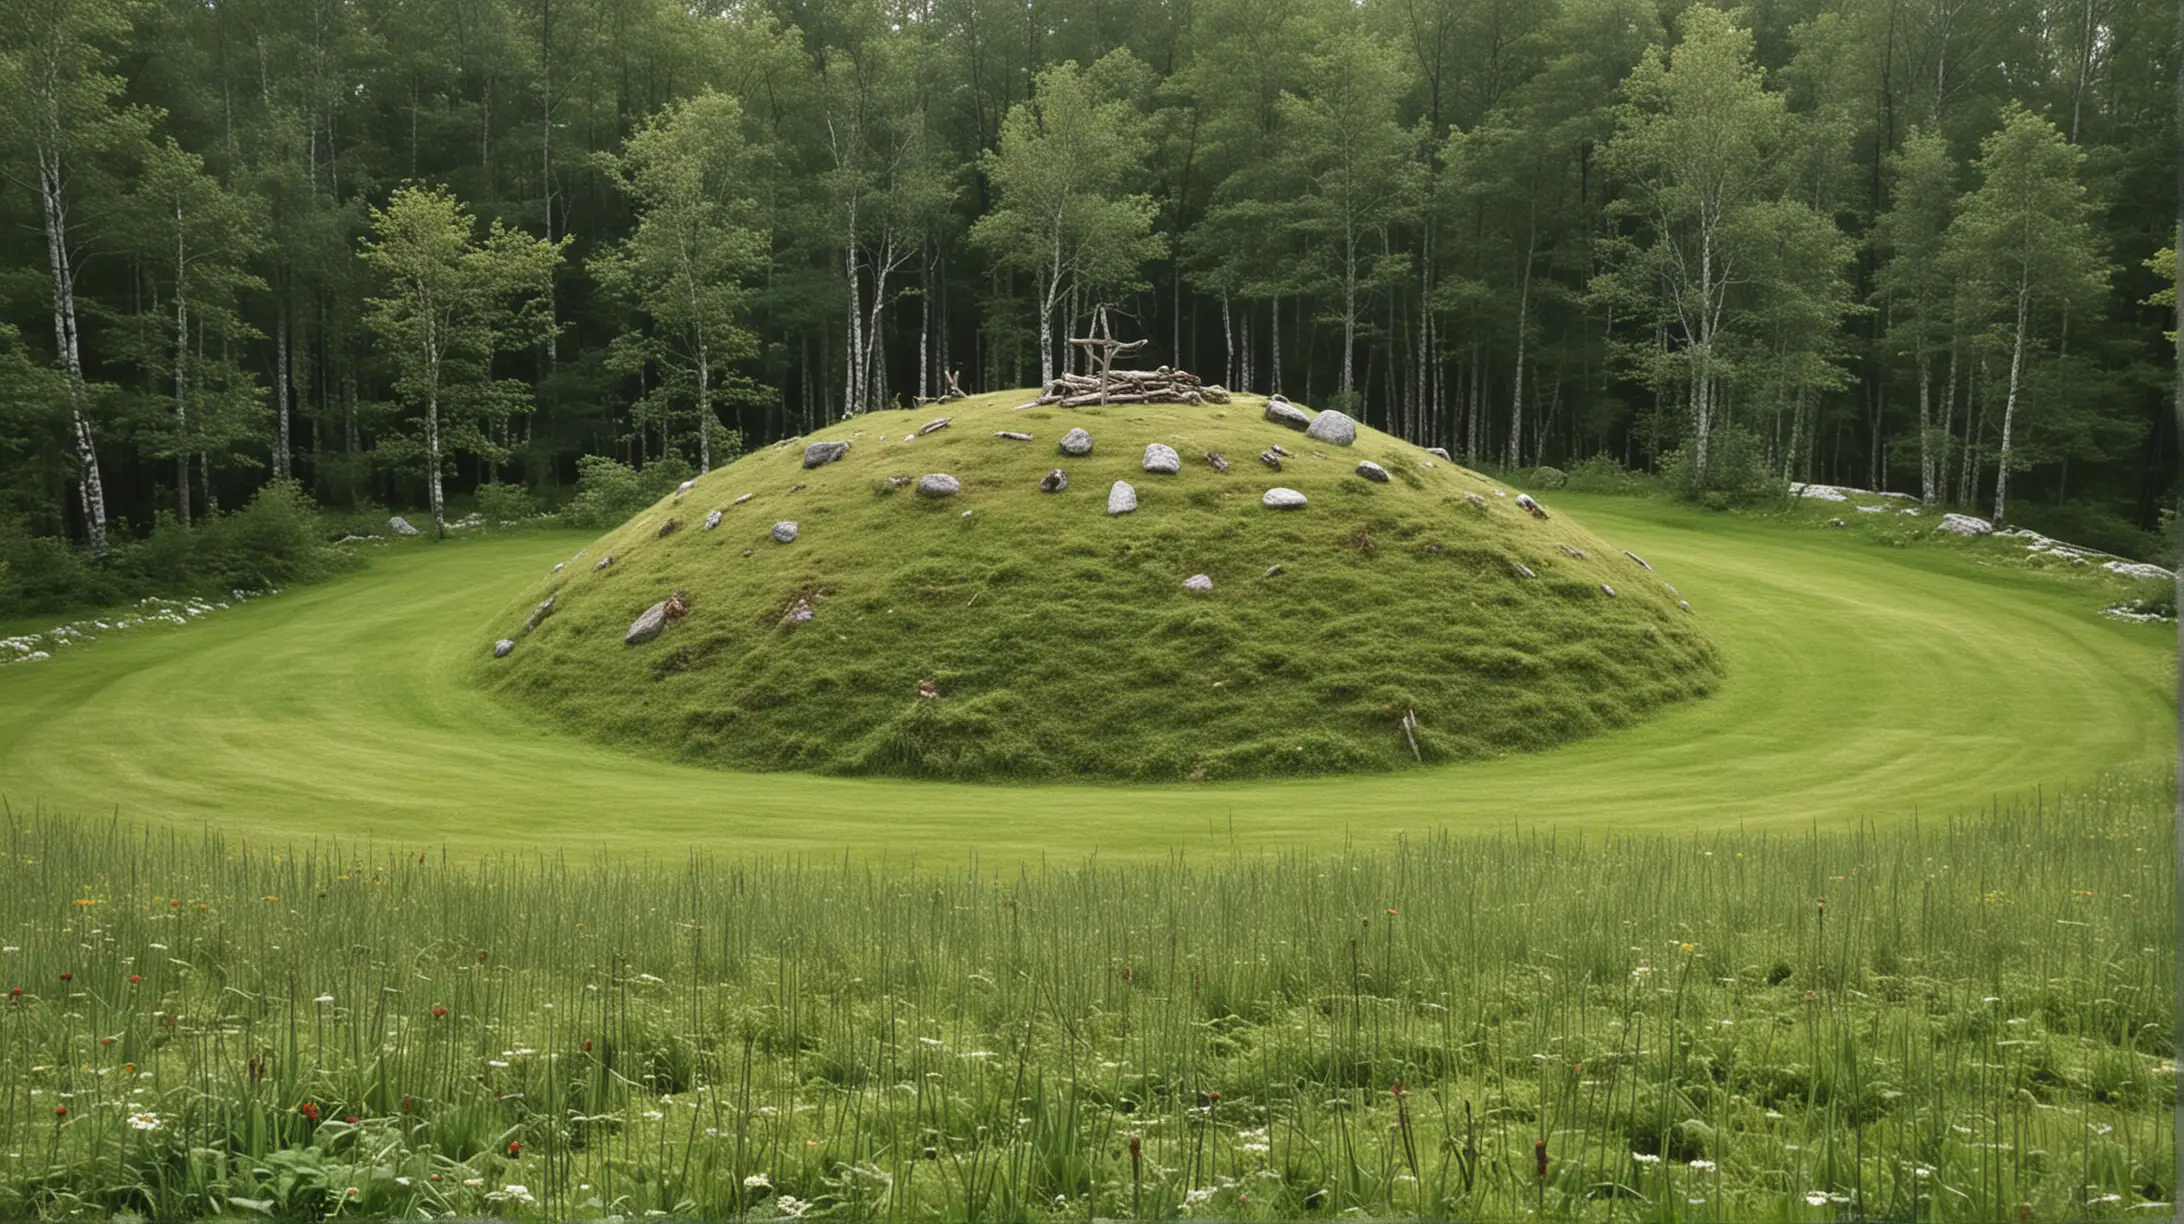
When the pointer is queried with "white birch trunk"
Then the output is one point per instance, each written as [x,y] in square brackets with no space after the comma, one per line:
[2009,408]
[181,371]
[1928,491]
[1516,393]
[280,392]
[90,487]
[1349,310]
[705,410]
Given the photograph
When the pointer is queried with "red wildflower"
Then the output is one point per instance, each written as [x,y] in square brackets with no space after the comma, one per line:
[60,1111]
[439,1013]
[351,1119]
[68,977]
[134,978]
[516,1148]
[308,1110]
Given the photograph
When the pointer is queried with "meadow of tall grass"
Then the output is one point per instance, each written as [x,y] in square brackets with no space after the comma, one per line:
[1953,1020]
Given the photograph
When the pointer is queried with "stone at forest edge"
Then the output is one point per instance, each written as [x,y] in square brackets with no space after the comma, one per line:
[1332,427]
[401,526]
[1282,412]
[821,453]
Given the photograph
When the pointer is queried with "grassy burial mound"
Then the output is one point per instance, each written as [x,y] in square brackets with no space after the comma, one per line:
[985,598]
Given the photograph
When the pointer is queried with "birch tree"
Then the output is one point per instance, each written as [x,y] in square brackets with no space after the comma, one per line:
[1357,170]
[886,186]
[1695,140]
[60,108]
[1915,284]
[1063,212]
[2024,245]
[699,241]
[193,240]
[453,302]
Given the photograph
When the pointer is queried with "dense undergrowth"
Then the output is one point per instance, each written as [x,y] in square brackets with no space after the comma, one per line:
[1012,633]
[1957,1020]
[279,539]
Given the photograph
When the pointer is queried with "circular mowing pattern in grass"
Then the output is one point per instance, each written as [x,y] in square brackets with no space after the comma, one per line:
[1001,631]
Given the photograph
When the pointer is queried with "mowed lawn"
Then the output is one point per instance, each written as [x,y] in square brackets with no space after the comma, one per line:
[1862,682]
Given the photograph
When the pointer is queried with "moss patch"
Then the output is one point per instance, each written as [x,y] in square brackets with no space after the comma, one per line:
[1058,641]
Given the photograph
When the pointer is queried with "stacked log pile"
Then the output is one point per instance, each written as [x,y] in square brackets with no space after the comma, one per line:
[1161,386]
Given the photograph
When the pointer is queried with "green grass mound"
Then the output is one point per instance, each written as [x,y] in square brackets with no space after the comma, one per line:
[1006,632]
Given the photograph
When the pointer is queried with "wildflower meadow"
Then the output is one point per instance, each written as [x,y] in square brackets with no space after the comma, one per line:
[1962,1019]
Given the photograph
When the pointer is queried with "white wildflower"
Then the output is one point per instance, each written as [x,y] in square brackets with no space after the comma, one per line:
[1702,1165]
[1816,1198]
[324,999]
[757,1181]
[144,1121]
[1645,1158]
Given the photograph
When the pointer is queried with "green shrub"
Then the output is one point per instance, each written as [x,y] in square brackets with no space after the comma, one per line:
[277,540]
[1602,474]
[607,491]
[1544,477]
[506,505]
[1737,472]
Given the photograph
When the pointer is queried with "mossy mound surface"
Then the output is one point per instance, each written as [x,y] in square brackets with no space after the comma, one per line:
[1009,633]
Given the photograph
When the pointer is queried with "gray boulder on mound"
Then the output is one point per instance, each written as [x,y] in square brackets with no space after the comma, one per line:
[540,613]
[1161,458]
[1521,570]
[602,563]
[1372,471]
[1440,452]
[401,526]
[1055,482]
[1282,499]
[821,453]
[1965,525]
[1013,435]
[502,647]
[938,484]
[1198,582]
[784,532]
[712,520]
[1076,442]
[1121,499]
[1334,428]
[648,626]
[1282,412]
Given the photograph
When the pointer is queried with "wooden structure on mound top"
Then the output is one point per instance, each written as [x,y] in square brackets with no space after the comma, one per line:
[1108,385]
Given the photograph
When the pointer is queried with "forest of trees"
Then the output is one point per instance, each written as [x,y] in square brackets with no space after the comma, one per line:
[394,250]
